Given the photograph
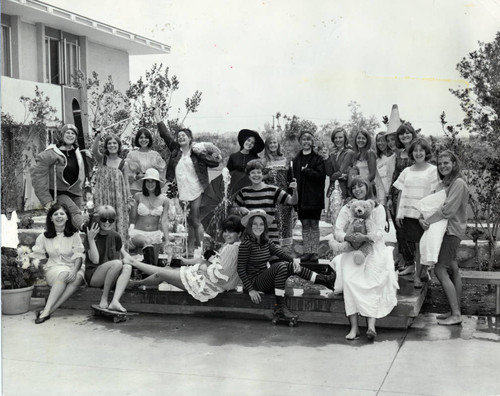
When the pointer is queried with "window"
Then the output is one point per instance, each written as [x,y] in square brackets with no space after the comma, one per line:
[62,57]
[6,52]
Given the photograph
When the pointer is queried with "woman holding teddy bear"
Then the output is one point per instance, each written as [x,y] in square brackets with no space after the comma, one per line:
[365,274]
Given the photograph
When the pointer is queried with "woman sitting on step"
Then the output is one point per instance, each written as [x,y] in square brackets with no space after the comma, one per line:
[204,278]
[253,257]
[149,217]
[62,245]
[107,260]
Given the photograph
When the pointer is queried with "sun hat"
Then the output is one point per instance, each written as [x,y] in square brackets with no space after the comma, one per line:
[244,134]
[256,212]
[151,174]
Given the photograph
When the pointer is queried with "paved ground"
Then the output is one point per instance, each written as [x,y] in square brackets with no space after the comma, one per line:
[77,354]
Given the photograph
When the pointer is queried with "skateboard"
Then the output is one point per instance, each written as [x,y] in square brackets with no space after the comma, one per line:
[116,315]
[278,318]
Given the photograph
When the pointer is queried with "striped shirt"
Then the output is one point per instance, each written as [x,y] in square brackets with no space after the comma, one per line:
[266,199]
[414,186]
[253,258]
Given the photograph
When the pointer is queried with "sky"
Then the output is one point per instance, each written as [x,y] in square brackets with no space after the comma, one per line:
[310,58]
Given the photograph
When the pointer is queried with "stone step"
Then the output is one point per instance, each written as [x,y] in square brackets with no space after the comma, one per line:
[312,305]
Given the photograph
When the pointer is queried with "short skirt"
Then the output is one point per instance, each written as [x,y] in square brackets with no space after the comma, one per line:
[52,272]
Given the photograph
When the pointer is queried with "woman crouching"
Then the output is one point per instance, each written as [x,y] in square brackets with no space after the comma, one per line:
[253,257]
[104,265]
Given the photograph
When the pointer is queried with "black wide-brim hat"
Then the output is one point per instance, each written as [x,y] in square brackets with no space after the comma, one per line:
[244,134]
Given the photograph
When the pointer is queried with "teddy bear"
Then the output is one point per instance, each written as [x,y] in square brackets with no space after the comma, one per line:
[361,212]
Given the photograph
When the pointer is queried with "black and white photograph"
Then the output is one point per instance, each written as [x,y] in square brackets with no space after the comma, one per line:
[250,197]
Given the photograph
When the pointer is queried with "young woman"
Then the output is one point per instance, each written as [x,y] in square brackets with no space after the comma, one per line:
[415,183]
[275,173]
[386,161]
[62,247]
[251,144]
[264,196]
[369,289]
[339,162]
[454,209]
[190,171]
[365,159]
[202,279]
[149,217]
[406,250]
[253,257]
[65,159]
[111,187]
[141,159]
[104,265]
[309,171]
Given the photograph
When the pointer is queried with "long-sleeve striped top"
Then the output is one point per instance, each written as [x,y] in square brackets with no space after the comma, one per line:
[253,258]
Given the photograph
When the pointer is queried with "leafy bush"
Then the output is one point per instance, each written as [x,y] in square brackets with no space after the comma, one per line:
[17,269]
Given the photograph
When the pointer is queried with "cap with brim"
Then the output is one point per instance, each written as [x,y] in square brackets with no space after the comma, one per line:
[244,134]
[151,174]
[256,212]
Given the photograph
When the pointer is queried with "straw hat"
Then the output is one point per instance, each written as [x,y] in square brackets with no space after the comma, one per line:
[256,212]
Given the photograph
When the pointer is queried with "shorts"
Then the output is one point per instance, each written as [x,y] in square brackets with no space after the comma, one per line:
[52,272]
[448,251]
[155,237]
[412,230]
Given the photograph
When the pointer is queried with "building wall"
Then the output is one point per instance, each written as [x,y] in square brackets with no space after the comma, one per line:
[13,89]
[28,65]
[108,61]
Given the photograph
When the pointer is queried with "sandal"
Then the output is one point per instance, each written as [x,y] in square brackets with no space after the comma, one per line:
[408,270]
[371,334]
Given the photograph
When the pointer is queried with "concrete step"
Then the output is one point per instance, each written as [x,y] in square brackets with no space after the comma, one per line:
[312,305]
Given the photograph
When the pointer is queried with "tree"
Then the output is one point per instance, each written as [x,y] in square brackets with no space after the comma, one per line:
[480,101]
[20,142]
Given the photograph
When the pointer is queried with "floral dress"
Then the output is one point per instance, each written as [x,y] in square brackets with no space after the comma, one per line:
[111,188]
[221,275]
[62,252]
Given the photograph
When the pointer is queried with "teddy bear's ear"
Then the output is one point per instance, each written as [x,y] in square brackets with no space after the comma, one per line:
[372,203]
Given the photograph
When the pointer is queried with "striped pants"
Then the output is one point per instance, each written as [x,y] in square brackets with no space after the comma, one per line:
[276,275]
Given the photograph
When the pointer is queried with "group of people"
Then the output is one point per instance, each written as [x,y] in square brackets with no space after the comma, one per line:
[132,212]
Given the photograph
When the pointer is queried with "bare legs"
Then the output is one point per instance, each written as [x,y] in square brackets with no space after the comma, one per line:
[354,331]
[105,276]
[195,228]
[59,293]
[452,286]
[158,275]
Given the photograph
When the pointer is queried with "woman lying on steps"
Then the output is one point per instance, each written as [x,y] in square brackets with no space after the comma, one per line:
[205,279]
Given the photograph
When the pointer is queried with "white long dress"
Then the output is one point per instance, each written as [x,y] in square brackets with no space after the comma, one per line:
[370,288]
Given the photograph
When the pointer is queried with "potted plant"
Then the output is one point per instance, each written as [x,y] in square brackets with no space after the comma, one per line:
[19,274]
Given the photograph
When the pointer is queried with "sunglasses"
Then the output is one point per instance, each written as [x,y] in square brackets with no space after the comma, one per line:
[105,219]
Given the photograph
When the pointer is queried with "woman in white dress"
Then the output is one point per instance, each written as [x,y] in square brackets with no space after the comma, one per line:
[370,288]
[62,247]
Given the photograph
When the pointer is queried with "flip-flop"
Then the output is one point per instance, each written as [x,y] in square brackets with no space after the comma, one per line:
[356,337]
[443,316]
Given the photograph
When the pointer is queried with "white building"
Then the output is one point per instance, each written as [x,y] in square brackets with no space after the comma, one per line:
[45,46]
